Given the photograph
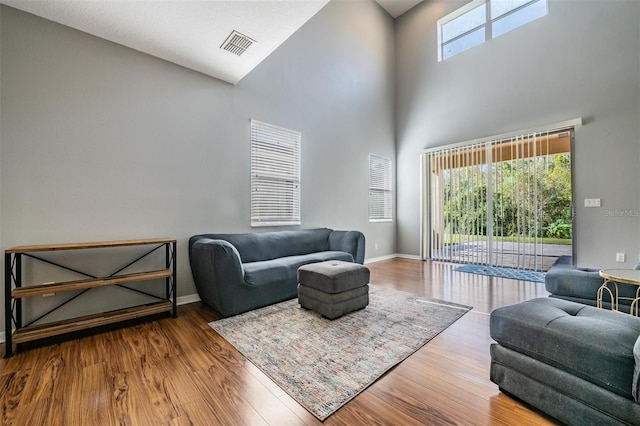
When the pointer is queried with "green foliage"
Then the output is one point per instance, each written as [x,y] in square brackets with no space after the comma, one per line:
[519,186]
[559,229]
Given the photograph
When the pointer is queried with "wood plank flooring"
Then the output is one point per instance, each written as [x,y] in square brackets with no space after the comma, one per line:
[180,372]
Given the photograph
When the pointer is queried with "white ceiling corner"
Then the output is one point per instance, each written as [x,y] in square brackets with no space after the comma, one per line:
[185,32]
[396,8]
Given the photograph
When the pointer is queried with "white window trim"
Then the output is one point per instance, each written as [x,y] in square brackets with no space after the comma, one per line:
[290,173]
[450,17]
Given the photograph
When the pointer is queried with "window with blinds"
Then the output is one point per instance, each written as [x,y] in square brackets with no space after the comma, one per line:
[275,175]
[380,189]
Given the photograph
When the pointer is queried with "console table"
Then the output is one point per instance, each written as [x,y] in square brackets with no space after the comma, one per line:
[619,276]
[15,290]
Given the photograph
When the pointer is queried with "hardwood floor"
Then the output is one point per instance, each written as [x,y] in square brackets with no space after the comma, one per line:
[180,372]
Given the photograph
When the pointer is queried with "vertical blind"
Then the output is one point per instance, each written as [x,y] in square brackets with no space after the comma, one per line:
[380,188]
[458,204]
[488,200]
[275,175]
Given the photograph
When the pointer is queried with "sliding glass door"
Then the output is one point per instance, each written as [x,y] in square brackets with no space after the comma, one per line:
[504,202]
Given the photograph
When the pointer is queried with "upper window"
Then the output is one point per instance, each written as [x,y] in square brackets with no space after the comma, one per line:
[462,29]
[481,20]
[507,15]
[275,175]
[380,192]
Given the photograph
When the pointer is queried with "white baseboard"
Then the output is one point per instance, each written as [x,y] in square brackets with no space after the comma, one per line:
[189,298]
[392,256]
[379,259]
[408,256]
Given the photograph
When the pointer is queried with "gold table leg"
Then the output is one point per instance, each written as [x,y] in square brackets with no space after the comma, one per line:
[635,304]
[614,299]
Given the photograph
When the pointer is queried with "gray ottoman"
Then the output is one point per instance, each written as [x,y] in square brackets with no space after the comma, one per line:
[572,361]
[333,288]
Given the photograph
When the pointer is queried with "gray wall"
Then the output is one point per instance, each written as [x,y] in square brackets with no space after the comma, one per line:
[581,60]
[1,245]
[100,142]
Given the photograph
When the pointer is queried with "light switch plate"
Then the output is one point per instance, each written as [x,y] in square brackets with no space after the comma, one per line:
[592,202]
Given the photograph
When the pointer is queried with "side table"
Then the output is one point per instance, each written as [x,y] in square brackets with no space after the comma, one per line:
[614,277]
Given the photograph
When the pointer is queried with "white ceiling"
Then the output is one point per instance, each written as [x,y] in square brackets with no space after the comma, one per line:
[189,32]
[397,7]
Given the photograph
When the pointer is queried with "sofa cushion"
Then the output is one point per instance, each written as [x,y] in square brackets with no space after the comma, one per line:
[286,268]
[636,371]
[593,344]
[259,246]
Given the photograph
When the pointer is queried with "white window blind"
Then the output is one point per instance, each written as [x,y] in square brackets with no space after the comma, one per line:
[380,192]
[275,175]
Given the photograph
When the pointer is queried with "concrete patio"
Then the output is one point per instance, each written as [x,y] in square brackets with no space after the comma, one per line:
[538,257]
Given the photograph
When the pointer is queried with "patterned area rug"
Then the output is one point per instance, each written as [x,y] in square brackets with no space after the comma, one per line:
[323,364]
[496,271]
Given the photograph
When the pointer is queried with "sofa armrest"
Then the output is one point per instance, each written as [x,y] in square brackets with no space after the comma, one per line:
[216,266]
[571,280]
[348,241]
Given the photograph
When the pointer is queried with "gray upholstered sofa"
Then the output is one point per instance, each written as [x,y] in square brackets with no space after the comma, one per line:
[577,363]
[235,273]
[568,282]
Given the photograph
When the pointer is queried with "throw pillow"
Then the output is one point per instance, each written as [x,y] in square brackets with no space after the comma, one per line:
[636,371]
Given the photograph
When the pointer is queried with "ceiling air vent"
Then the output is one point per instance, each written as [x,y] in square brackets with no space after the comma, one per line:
[237,43]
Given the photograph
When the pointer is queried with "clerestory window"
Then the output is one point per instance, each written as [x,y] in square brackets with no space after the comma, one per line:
[482,20]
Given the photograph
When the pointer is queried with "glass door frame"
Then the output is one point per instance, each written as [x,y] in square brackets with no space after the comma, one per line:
[426,183]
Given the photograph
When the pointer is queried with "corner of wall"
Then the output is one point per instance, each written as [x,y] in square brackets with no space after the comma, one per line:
[1,191]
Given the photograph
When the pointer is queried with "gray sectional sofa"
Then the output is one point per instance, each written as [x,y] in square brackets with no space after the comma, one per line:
[235,273]
[577,363]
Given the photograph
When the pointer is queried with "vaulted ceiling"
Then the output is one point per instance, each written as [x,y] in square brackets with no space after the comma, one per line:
[206,36]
